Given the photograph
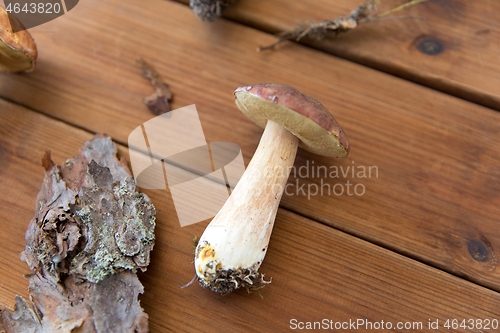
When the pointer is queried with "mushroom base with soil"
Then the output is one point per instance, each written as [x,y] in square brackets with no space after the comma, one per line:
[246,219]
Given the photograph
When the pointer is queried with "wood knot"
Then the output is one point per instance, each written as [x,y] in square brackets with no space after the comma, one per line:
[478,250]
[429,45]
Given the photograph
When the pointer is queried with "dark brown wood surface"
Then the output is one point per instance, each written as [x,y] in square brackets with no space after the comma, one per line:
[419,244]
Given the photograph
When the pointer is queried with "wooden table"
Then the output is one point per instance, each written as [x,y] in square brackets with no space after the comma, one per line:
[419,245]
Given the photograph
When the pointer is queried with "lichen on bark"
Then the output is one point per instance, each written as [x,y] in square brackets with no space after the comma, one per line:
[90,234]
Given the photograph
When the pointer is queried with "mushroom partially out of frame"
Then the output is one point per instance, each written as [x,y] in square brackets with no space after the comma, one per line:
[233,246]
[17,49]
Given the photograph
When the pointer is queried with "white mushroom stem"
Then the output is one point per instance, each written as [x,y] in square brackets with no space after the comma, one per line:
[234,244]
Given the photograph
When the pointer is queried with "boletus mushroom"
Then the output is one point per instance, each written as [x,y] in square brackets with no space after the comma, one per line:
[233,246]
[17,49]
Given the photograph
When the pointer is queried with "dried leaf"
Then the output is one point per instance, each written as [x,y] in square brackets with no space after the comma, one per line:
[158,102]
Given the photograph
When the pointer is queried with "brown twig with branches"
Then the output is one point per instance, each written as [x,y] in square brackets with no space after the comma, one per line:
[366,12]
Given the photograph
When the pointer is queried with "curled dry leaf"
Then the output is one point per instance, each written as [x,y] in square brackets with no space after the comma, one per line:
[90,234]
[158,102]
[17,50]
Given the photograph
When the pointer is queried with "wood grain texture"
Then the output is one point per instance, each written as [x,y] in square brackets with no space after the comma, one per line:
[318,272]
[465,34]
[436,198]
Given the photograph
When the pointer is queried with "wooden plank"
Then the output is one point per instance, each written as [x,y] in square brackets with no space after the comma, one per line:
[436,197]
[318,272]
[464,34]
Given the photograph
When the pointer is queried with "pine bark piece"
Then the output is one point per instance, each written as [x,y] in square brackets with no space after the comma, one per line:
[91,233]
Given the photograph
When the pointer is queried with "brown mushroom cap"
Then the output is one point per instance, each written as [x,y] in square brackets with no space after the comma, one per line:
[300,114]
[17,50]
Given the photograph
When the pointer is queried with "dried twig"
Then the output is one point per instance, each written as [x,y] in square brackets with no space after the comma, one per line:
[366,12]
[403,6]
[209,10]
[158,102]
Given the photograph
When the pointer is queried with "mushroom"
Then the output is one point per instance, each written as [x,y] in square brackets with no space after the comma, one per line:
[233,246]
[17,49]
